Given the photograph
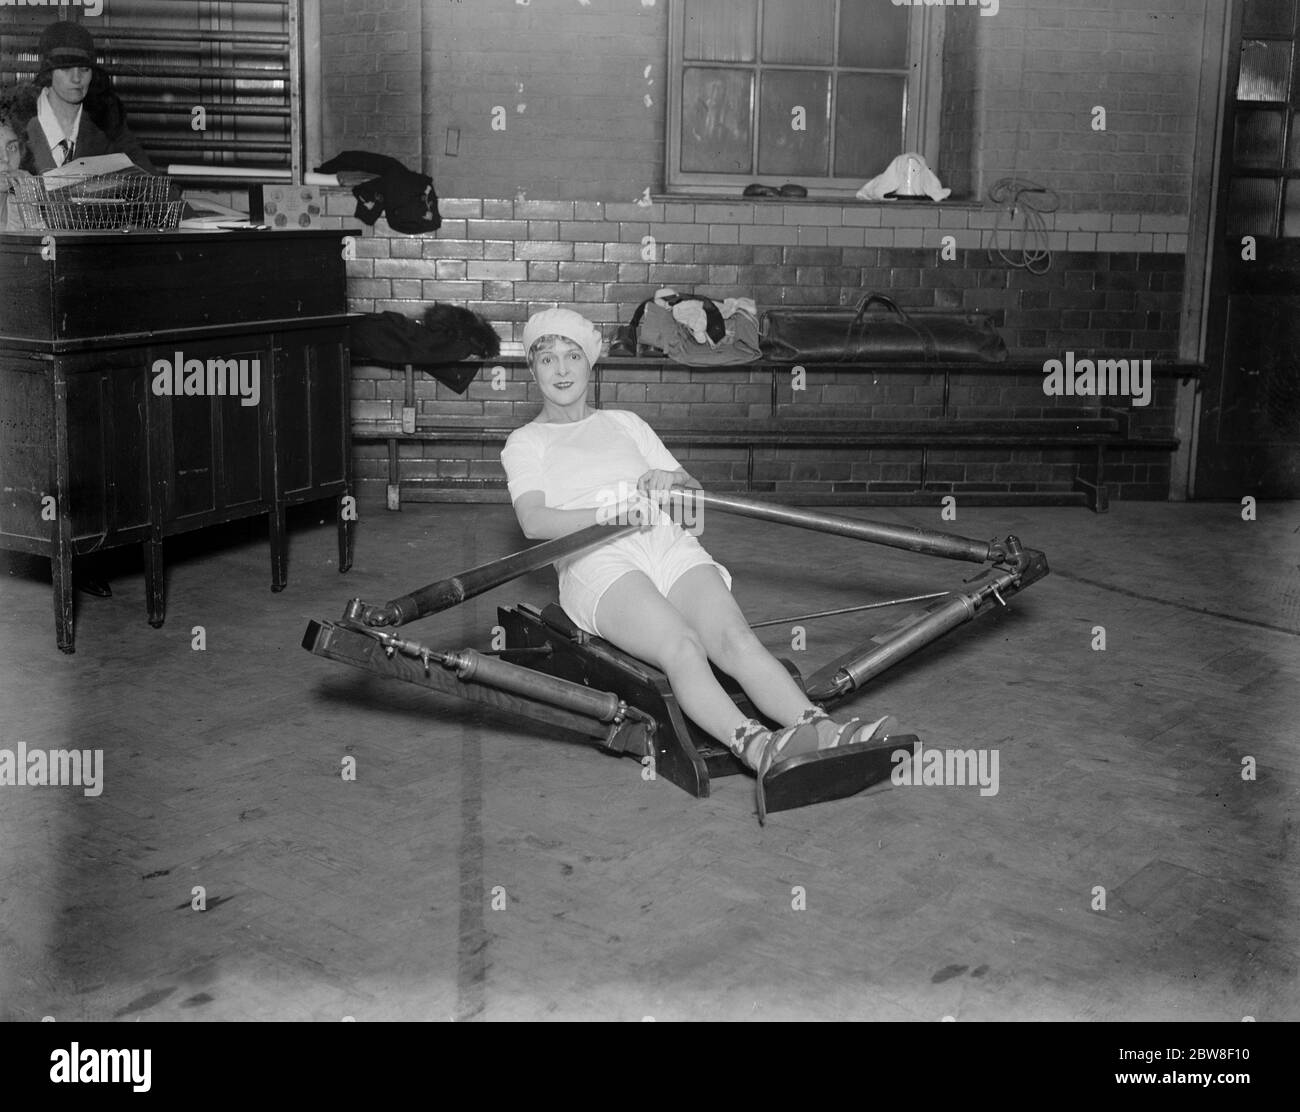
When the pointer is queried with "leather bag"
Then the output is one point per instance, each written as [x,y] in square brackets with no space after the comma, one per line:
[878,331]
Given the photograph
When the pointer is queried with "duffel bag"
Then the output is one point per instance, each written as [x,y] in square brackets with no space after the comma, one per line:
[868,334]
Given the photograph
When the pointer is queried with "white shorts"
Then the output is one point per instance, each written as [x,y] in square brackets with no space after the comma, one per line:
[664,554]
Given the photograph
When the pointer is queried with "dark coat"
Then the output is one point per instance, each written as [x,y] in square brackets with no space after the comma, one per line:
[90,141]
[406,198]
[448,335]
[102,130]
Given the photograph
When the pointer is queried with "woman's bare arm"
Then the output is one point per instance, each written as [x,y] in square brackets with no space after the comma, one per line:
[542,523]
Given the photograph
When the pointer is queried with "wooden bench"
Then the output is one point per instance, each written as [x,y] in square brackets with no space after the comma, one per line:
[1109,429]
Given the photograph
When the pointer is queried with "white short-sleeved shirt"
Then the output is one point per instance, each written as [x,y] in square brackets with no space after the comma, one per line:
[580,465]
[593,462]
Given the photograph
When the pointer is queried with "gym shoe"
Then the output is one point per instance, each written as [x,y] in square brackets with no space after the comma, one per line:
[856,731]
[760,748]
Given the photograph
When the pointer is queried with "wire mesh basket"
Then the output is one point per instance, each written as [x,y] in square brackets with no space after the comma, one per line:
[97,202]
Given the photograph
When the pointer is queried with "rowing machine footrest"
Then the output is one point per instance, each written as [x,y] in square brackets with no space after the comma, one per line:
[833,773]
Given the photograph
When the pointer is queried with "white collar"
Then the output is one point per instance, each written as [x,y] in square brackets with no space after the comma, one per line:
[54,133]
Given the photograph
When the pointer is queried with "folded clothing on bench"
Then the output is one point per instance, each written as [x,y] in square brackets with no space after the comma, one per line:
[693,330]
[448,335]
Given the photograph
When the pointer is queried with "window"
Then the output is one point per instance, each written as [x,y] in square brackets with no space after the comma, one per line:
[238,61]
[1264,195]
[822,93]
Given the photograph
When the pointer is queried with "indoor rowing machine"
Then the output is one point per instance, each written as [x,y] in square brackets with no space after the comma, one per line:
[552,671]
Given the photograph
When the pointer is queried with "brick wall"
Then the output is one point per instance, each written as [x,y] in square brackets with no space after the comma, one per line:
[571,79]
[1021,86]
[506,258]
[1114,289]
[371,66]
[541,213]
[1032,76]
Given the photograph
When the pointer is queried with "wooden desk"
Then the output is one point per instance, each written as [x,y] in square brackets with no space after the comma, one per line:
[93,457]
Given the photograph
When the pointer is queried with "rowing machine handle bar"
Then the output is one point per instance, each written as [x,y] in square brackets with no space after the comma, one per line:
[895,536]
[446,593]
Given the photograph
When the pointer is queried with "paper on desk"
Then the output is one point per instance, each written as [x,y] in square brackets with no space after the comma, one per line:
[62,176]
[217,224]
[201,208]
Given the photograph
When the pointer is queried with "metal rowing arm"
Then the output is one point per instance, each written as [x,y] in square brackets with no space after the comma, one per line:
[1013,568]
[485,679]
[443,594]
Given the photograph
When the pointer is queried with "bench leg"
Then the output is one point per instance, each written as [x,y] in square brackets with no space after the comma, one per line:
[347,527]
[1098,497]
[394,490]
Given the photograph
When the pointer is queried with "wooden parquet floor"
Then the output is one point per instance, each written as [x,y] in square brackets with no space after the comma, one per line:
[480,868]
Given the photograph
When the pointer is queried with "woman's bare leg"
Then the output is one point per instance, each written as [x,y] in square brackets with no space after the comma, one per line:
[706,604]
[639,620]
[702,599]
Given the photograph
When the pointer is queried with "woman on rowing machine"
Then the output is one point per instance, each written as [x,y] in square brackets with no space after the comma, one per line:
[656,594]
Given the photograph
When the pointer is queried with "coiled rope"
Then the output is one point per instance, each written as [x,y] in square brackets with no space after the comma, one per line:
[1019,196]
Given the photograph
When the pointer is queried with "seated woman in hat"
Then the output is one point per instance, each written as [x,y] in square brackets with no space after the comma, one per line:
[76,115]
[70,112]
[656,594]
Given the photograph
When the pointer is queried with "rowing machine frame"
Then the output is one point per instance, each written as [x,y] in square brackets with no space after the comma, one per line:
[552,671]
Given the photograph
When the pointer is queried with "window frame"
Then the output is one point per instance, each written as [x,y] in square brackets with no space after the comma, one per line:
[922,100]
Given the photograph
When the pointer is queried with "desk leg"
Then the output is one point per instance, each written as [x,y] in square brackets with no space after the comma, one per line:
[347,532]
[154,585]
[61,555]
[61,573]
[279,549]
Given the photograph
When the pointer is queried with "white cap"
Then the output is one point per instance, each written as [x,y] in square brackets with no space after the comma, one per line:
[563,322]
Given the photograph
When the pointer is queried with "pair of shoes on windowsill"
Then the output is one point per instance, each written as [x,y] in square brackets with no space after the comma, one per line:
[758,189]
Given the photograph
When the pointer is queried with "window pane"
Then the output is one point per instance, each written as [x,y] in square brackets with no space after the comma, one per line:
[717,105]
[1268,17]
[720,30]
[868,124]
[1265,69]
[781,148]
[1252,205]
[798,31]
[1258,140]
[873,34]
[1291,211]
